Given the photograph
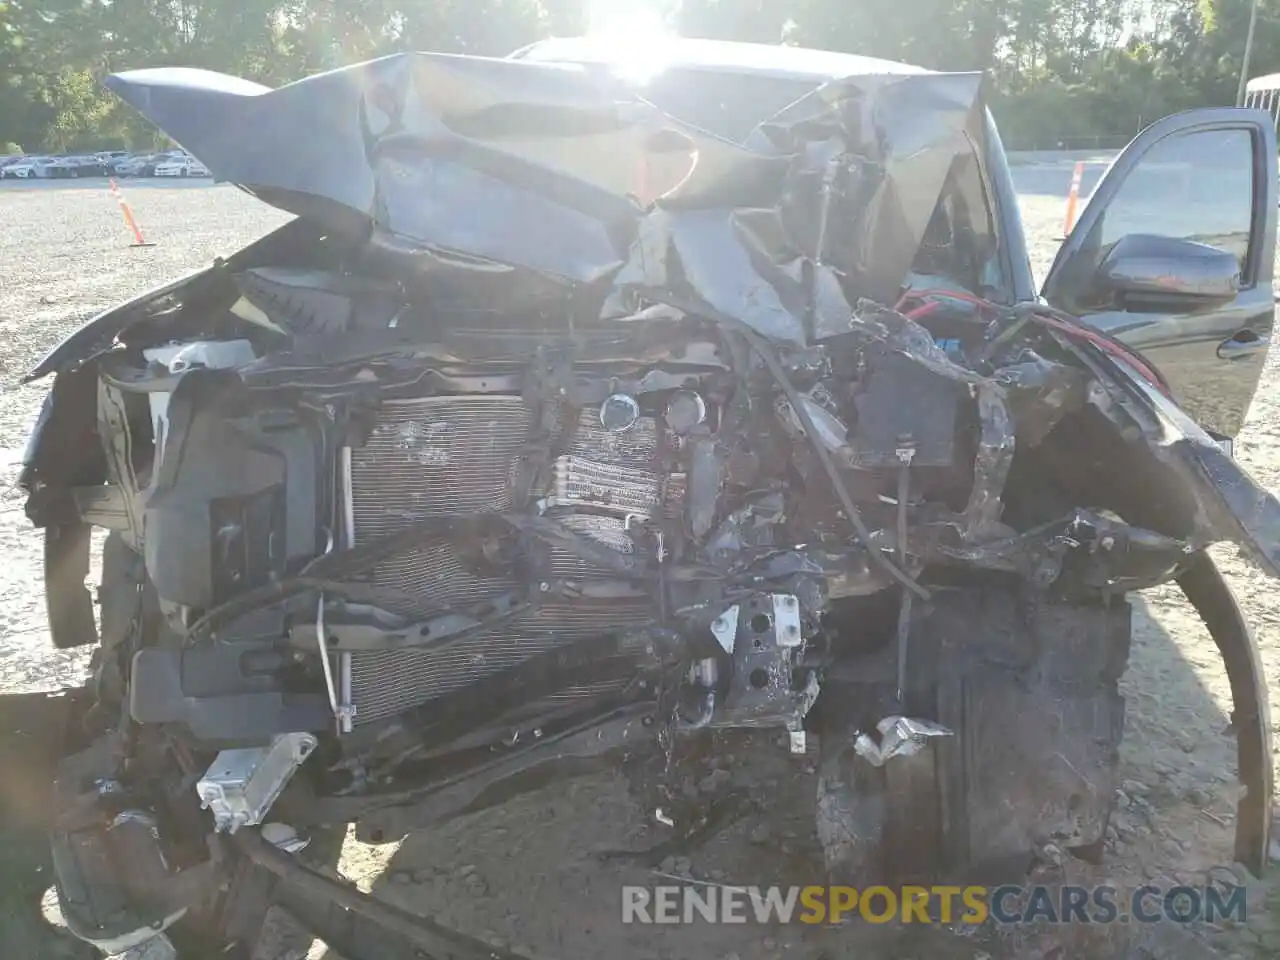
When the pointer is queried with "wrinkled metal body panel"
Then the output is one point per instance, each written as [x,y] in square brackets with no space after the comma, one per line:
[527,173]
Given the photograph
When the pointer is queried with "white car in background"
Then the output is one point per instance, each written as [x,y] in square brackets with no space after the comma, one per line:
[182,167]
[29,168]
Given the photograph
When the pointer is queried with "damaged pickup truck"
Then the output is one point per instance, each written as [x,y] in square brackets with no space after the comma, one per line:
[579,418]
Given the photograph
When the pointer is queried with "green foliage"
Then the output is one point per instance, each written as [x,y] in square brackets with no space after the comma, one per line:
[1062,70]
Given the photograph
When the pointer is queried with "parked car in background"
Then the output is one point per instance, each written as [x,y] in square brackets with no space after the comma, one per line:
[104,163]
[63,168]
[125,166]
[139,165]
[29,168]
[77,166]
[182,167]
[17,168]
[90,166]
[144,164]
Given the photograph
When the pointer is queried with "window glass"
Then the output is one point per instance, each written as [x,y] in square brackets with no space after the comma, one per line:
[730,105]
[1191,186]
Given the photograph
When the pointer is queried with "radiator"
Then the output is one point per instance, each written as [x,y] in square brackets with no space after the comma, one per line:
[458,456]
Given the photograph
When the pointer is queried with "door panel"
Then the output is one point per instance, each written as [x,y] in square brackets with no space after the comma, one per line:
[1208,176]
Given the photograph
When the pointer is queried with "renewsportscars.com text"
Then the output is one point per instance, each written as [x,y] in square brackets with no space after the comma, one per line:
[713,903]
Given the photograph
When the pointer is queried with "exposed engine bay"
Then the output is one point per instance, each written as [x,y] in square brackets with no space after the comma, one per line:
[402,512]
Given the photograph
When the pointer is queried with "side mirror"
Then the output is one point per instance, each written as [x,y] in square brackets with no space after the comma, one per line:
[1152,273]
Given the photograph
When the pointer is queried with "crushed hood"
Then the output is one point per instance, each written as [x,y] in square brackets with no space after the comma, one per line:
[560,173]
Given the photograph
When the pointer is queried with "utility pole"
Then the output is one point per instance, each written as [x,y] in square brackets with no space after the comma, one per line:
[1248,52]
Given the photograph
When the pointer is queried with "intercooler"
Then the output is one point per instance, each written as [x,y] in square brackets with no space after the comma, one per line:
[460,456]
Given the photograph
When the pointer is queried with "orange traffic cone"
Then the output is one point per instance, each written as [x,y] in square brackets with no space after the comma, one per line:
[132,224]
[1073,197]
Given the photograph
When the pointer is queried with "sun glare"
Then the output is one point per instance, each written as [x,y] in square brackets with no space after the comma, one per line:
[634,38]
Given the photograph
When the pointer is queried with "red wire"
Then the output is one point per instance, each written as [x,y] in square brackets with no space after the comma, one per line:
[915,313]
[946,295]
[1106,345]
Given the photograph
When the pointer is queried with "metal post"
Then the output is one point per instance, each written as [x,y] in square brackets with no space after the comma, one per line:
[1248,53]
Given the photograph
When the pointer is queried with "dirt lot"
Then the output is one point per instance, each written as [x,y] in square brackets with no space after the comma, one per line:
[526,876]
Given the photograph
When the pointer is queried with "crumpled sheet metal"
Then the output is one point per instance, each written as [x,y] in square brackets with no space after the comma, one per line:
[1226,503]
[899,737]
[870,157]
[491,166]
[1041,392]
[903,135]
[725,256]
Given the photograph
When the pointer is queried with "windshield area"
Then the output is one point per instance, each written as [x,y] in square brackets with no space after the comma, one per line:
[959,246]
[728,105]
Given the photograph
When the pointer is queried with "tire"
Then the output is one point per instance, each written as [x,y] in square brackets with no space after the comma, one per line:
[1028,688]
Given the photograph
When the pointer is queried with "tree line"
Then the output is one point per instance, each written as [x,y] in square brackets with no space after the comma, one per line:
[1060,69]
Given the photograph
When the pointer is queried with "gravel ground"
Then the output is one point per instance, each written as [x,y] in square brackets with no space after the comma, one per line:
[525,874]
